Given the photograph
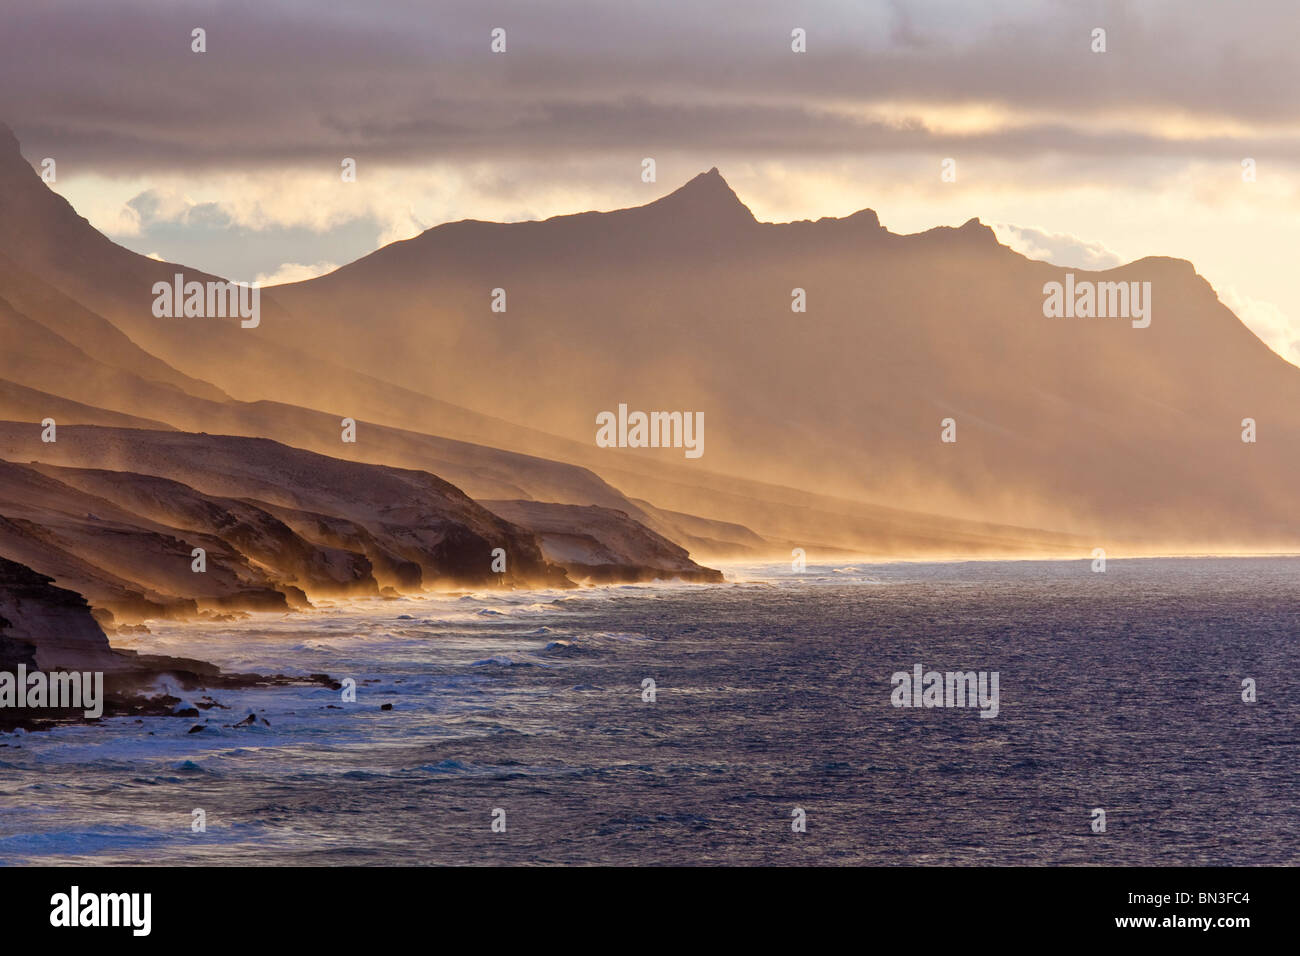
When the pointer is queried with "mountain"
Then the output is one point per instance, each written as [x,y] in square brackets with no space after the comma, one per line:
[57,269]
[279,524]
[120,561]
[1107,433]
[65,317]
[407,528]
[80,368]
[253,531]
[822,428]
[69,363]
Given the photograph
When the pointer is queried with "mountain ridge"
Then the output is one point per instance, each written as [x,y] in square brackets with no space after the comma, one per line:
[900,333]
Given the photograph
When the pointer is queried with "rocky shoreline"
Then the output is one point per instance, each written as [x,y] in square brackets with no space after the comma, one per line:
[47,628]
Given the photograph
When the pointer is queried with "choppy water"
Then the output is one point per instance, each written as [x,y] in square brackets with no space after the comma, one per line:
[1119,690]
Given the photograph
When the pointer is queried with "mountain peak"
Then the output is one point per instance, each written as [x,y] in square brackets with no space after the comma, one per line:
[707,196]
[978,231]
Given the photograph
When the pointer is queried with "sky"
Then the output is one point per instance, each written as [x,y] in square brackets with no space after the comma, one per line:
[229,159]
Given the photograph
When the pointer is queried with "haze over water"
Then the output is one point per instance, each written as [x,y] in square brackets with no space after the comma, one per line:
[1119,690]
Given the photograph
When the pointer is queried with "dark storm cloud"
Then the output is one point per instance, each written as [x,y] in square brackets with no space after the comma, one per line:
[116,87]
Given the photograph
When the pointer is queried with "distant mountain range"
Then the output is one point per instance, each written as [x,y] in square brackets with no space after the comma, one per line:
[475,428]
[1123,436]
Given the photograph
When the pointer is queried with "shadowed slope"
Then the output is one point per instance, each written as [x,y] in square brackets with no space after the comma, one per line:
[418,516]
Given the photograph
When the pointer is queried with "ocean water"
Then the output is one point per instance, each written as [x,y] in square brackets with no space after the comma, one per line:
[1120,691]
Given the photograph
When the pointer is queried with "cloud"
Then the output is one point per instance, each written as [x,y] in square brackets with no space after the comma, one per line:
[229,160]
[402,227]
[1275,328]
[1060,249]
[294,272]
[156,206]
[240,226]
[285,82]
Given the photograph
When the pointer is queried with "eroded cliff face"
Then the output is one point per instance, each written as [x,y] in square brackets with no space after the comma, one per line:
[48,627]
[275,524]
[602,545]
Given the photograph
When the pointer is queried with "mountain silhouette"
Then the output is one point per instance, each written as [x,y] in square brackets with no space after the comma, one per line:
[823,427]
[1085,425]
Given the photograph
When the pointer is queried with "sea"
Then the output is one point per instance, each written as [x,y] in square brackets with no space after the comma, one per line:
[750,722]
